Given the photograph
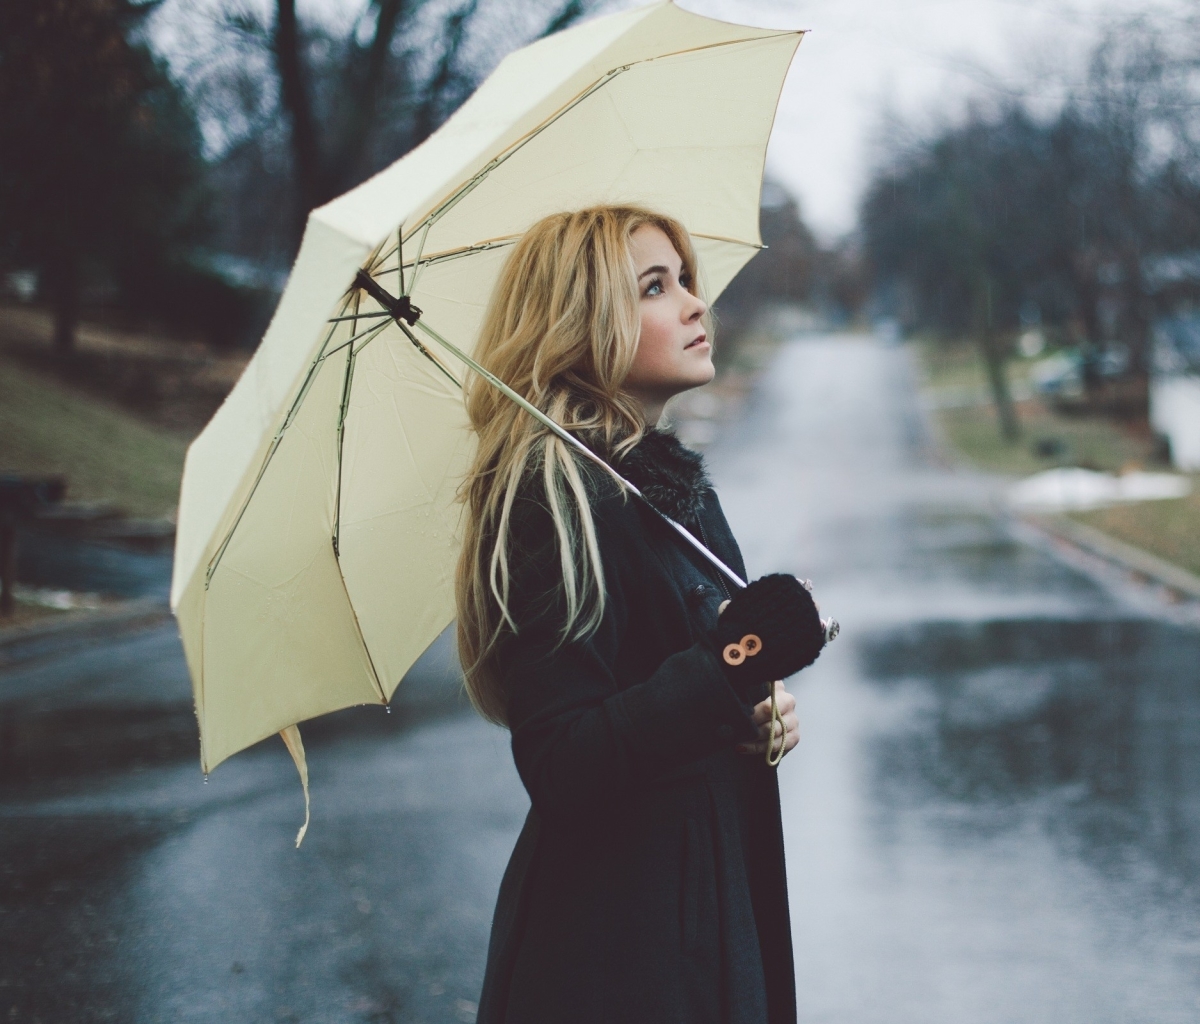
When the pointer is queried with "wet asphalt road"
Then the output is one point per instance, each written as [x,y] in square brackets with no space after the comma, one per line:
[994,814]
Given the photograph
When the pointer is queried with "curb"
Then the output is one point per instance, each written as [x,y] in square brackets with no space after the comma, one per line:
[1126,556]
[26,643]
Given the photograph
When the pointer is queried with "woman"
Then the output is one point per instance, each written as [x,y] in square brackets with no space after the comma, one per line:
[648,882]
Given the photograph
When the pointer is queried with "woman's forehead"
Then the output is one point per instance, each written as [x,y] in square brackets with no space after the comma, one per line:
[650,245]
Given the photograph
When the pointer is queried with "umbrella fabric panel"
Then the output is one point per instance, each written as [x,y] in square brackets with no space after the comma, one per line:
[719,264]
[663,133]
[407,447]
[281,644]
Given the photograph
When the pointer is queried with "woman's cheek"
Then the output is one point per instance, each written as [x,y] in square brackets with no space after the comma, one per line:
[657,341]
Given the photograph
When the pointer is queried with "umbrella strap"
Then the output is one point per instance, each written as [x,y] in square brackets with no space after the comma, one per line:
[295,747]
[773,759]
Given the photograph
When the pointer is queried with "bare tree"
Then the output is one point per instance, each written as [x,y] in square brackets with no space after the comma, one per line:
[100,153]
[330,156]
[1007,210]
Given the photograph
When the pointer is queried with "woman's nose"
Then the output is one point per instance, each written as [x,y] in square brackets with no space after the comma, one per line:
[695,309]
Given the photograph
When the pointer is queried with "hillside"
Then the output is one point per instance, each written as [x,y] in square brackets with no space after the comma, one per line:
[106,453]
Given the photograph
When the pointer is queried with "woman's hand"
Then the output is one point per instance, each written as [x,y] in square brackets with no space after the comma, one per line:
[770,629]
[762,719]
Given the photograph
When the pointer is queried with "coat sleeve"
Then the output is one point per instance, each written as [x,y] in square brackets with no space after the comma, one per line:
[581,735]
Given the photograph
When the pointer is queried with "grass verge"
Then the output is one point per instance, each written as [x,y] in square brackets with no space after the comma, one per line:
[1168,529]
[1090,442]
[106,453]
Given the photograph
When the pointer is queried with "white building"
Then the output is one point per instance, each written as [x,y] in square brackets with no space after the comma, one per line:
[1175,388]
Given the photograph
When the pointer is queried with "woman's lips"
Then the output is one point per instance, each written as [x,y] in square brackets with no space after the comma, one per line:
[702,340]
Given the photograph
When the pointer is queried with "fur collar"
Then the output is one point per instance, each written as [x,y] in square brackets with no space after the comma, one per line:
[668,473]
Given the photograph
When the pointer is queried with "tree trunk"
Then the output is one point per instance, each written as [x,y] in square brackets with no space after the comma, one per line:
[353,153]
[1139,337]
[293,91]
[1089,311]
[8,566]
[429,112]
[993,358]
[62,288]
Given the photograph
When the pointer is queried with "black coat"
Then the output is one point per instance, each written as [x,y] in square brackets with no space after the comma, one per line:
[648,882]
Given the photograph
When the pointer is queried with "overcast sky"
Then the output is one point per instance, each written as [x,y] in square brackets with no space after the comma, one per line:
[861,60]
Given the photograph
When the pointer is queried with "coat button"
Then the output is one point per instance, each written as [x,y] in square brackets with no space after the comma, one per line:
[696,596]
[725,732]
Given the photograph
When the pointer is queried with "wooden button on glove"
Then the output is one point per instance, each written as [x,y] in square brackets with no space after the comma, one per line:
[747,647]
[768,630]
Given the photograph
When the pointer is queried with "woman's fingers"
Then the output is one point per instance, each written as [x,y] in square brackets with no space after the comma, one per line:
[768,732]
[784,700]
[791,729]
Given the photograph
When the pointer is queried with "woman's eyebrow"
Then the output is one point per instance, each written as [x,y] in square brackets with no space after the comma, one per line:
[660,269]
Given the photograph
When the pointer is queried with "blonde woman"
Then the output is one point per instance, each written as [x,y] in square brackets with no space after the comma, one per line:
[648,882]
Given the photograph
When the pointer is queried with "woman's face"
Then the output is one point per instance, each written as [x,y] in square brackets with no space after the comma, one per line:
[673,352]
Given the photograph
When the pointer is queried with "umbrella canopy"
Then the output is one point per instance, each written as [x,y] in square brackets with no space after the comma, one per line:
[318,527]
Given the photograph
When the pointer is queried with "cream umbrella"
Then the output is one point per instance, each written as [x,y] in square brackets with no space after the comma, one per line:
[318,527]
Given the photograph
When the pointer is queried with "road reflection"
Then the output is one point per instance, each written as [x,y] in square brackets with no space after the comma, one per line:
[1099,720]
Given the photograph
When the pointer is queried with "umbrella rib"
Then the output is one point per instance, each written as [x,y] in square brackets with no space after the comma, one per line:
[374,333]
[420,252]
[452,254]
[731,241]
[341,434]
[373,330]
[368,284]
[358,629]
[356,316]
[472,183]
[400,258]
[427,354]
[571,439]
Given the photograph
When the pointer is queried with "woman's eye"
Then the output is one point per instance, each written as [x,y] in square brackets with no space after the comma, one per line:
[654,287]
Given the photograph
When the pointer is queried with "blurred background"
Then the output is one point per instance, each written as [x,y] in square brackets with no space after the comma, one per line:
[960,389]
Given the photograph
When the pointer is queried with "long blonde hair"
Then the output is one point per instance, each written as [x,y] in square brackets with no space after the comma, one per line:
[561,330]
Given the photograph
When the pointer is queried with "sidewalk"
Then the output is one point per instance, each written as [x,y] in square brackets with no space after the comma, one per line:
[47,638]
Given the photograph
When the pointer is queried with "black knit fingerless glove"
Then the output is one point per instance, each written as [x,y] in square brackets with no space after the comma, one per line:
[768,631]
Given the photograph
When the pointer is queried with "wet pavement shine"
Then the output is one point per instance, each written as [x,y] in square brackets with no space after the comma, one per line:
[994,812]
[993,815]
